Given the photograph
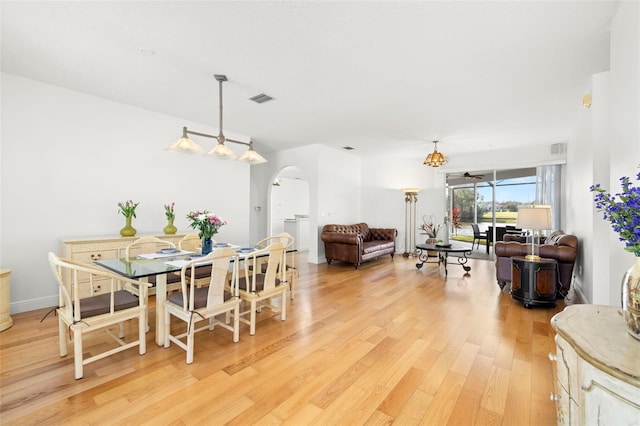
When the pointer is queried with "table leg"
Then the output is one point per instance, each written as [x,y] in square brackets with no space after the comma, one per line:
[161,296]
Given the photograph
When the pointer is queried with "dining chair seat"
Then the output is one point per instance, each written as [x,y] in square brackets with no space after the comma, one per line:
[244,285]
[101,304]
[199,297]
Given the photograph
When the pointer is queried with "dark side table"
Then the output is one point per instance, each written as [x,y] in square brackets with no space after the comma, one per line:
[534,282]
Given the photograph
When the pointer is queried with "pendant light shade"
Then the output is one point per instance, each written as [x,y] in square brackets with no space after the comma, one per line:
[252,157]
[222,151]
[435,159]
[186,145]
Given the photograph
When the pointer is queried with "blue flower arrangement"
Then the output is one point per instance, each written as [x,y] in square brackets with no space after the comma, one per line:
[623,211]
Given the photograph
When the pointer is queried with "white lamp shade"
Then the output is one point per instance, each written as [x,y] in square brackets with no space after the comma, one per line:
[252,157]
[538,217]
[186,145]
[410,190]
[222,151]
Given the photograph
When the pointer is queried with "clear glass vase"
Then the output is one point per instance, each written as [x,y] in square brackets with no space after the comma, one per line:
[631,298]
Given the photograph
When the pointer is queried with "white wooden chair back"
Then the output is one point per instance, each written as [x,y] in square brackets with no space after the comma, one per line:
[146,245]
[220,260]
[190,242]
[273,274]
[288,258]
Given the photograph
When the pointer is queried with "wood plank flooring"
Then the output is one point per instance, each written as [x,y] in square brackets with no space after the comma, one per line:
[384,344]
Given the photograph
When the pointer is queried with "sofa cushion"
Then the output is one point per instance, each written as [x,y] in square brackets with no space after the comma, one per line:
[377,245]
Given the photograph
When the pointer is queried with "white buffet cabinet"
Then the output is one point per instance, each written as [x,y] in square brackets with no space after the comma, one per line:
[598,367]
[89,249]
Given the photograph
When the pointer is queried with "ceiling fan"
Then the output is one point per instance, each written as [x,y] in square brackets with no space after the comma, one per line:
[467,176]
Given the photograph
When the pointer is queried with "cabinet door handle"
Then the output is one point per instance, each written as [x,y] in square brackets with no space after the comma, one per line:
[553,357]
[554,397]
[96,256]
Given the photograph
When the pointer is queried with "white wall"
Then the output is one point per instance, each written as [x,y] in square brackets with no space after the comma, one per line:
[68,158]
[605,146]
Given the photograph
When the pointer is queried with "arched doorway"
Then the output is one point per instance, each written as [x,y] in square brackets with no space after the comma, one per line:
[289,206]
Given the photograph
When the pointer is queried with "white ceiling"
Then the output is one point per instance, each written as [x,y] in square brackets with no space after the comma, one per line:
[376,76]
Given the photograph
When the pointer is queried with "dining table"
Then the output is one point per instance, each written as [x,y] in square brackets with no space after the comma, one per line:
[159,264]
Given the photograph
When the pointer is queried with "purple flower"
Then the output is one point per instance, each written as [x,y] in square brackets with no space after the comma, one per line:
[622,210]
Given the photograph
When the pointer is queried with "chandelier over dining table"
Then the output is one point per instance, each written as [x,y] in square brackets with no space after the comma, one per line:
[222,151]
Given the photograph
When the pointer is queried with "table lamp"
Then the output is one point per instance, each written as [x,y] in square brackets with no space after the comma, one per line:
[535,218]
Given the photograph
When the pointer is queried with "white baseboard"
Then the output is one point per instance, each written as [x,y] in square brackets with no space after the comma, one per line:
[33,304]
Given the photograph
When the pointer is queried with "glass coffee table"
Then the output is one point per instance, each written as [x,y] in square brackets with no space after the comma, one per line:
[443,252]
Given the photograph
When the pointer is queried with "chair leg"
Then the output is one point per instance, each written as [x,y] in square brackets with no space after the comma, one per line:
[62,336]
[190,340]
[252,316]
[142,332]
[77,353]
[283,310]
[167,327]
[236,323]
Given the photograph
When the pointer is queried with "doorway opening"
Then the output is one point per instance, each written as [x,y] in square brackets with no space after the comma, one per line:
[289,206]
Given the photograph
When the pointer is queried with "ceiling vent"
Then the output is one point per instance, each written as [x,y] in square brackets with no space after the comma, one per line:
[261,98]
[558,148]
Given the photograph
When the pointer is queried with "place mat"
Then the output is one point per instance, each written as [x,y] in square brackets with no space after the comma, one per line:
[159,255]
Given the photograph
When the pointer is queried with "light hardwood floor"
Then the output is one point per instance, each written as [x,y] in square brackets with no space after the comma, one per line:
[384,344]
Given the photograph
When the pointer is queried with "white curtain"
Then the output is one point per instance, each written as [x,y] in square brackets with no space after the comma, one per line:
[548,190]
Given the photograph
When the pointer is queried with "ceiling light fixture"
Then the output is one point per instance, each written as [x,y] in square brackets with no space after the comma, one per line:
[435,159]
[186,145]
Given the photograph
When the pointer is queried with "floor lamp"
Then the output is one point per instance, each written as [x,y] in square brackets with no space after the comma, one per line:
[410,199]
[535,218]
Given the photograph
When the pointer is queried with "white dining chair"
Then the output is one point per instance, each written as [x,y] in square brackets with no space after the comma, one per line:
[288,257]
[80,316]
[258,289]
[192,304]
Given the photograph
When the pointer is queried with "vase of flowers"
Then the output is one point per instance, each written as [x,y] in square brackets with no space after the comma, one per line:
[207,224]
[622,210]
[430,229]
[169,211]
[128,210]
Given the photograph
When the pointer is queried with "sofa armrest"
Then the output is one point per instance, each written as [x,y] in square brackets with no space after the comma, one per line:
[510,249]
[387,234]
[342,237]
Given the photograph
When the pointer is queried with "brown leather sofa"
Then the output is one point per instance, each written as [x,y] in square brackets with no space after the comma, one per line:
[357,243]
[559,246]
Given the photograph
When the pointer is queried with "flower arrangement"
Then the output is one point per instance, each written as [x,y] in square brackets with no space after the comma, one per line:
[169,211]
[623,211]
[128,208]
[455,219]
[429,227]
[206,223]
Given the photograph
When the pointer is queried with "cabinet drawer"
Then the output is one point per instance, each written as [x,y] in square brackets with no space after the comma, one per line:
[100,286]
[90,256]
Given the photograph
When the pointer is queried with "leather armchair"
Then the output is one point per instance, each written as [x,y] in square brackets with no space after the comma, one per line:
[559,246]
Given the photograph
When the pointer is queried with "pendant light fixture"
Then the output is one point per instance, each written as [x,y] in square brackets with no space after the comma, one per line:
[435,159]
[186,145]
